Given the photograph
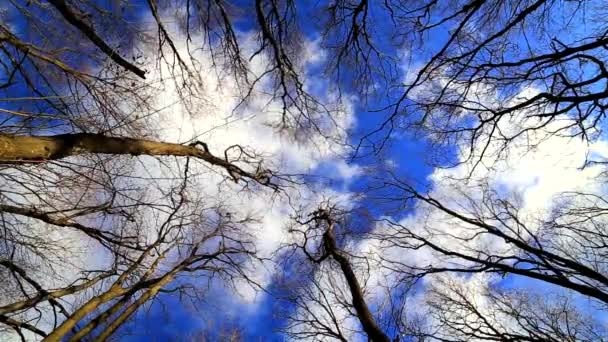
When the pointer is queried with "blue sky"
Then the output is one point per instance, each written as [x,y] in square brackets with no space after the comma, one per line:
[171,319]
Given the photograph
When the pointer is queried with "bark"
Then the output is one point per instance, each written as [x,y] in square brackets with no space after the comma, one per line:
[94,303]
[18,148]
[83,311]
[39,148]
[120,320]
[116,307]
[115,291]
[100,319]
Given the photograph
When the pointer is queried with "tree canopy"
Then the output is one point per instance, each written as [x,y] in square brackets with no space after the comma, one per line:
[420,170]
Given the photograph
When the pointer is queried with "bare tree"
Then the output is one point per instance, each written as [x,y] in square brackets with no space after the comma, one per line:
[499,76]
[559,252]
[463,313]
[333,293]
[473,80]
[74,116]
[79,89]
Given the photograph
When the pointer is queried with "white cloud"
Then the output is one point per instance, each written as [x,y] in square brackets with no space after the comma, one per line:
[212,119]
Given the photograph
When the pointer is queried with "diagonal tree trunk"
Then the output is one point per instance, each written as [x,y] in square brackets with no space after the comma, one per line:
[364,314]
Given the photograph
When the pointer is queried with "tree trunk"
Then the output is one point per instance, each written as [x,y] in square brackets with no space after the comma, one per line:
[32,148]
[371,328]
[38,148]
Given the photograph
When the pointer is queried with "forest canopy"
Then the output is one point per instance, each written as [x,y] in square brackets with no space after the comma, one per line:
[346,170]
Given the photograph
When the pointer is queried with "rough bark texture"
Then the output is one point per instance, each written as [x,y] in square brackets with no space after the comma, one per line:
[83,311]
[39,148]
[115,291]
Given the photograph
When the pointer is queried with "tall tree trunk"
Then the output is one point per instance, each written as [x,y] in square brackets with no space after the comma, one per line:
[120,320]
[83,311]
[365,316]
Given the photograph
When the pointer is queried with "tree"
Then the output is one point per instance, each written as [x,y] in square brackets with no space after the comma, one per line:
[84,173]
[504,79]
[85,163]
[507,315]
[320,303]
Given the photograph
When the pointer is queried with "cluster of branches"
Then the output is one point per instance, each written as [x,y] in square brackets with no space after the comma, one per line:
[502,73]
[86,242]
[140,247]
[75,102]
[343,291]
[539,64]
[333,295]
